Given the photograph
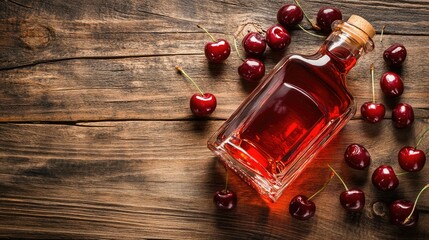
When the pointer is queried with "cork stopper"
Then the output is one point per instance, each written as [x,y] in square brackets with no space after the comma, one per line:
[362,24]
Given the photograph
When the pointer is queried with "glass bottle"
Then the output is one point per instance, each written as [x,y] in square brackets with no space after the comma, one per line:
[295,110]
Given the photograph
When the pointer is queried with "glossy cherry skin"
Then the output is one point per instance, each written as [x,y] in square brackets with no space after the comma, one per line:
[357,157]
[254,44]
[400,210]
[289,15]
[277,37]
[353,200]
[252,70]
[225,199]
[326,16]
[402,115]
[372,112]
[384,178]
[411,159]
[301,208]
[203,105]
[217,51]
[391,84]
[395,55]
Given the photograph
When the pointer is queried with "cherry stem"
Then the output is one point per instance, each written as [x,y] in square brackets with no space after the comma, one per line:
[236,50]
[323,187]
[401,173]
[382,32]
[415,203]
[226,179]
[178,68]
[345,186]
[421,138]
[372,81]
[313,34]
[205,30]
[306,17]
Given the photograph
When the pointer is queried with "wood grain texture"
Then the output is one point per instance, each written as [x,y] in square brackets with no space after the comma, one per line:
[97,140]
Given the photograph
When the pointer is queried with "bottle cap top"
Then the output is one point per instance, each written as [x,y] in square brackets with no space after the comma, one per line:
[362,24]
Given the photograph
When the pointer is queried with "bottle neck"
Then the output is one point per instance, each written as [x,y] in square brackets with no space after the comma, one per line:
[346,44]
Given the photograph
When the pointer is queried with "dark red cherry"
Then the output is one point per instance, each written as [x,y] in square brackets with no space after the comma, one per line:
[217,51]
[277,37]
[402,115]
[357,157]
[301,208]
[411,159]
[391,84]
[252,69]
[289,15]
[203,105]
[400,210]
[225,199]
[384,178]
[395,55]
[353,200]
[372,112]
[326,16]
[254,44]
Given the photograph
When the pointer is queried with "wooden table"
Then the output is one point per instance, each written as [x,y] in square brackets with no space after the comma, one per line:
[97,140]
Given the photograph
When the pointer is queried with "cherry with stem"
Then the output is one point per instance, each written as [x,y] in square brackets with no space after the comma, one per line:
[352,199]
[218,50]
[412,159]
[371,111]
[251,69]
[225,199]
[201,104]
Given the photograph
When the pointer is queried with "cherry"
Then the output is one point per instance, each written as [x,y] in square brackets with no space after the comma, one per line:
[402,115]
[218,50]
[371,111]
[326,16]
[412,159]
[254,44]
[289,15]
[395,55]
[225,199]
[384,178]
[251,69]
[201,104]
[277,37]
[357,157]
[403,212]
[391,84]
[353,199]
[303,208]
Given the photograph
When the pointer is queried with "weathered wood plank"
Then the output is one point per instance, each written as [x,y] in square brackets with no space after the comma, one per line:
[155,179]
[150,88]
[41,31]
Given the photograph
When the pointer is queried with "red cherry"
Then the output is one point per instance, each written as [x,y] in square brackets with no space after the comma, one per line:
[277,37]
[395,55]
[400,210]
[384,178]
[357,157]
[411,159]
[251,69]
[218,50]
[289,15]
[301,208]
[402,115]
[353,200]
[372,112]
[391,84]
[254,44]
[225,199]
[326,16]
[203,105]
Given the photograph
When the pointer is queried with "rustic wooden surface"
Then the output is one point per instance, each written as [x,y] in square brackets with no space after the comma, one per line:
[97,141]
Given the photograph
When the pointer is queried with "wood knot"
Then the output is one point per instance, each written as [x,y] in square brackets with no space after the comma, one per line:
[34,35]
